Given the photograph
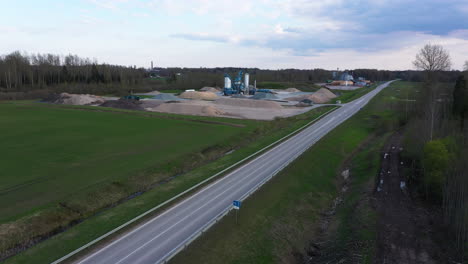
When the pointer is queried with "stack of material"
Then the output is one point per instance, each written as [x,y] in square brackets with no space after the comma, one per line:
[198,95]
[76,99]
[292,90]
[209,89]
[188,109]
[166,97]
[124,104]
[264,96]
[321,96]
[248,103]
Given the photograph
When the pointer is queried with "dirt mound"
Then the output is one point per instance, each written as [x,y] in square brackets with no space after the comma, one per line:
[249,103]
[188,109]
[124,104]
[166,97]
[292,90]
[199,95]
[75,99]
[209,89]
[321,96]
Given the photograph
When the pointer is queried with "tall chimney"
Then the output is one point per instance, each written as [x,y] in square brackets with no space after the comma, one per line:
[152,65]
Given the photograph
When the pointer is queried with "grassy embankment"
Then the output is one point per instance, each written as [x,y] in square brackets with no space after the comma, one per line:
[348,96]
[88,157]
[277,223]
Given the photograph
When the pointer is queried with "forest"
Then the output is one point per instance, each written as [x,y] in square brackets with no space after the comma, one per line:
[436,144]
[31,76]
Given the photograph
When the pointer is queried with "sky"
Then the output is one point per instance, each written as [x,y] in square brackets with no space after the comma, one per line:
[268,34]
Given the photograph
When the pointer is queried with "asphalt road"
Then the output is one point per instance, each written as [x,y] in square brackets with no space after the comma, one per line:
[165,234]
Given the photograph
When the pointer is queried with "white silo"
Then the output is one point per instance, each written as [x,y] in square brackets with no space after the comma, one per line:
[227,82]
[246,82]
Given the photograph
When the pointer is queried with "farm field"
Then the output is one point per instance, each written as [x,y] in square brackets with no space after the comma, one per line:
[50,153]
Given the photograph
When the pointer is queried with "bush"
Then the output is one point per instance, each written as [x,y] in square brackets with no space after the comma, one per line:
[436,159]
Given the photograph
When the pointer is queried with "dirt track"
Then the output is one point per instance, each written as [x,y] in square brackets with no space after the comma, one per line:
[405,229]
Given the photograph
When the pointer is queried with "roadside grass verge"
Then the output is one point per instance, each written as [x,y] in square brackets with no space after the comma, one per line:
[356,219]
[348,96]
[277,223]
[243,144]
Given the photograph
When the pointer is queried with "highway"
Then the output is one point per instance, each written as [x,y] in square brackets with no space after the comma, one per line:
[161,237]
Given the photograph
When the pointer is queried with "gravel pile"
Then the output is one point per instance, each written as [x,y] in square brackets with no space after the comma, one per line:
[321,96]
[209,89]
[75,99]
[292,90]
[166,97]
[124,104]
[199,95]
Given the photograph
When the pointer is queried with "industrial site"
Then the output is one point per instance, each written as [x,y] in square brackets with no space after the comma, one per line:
[237,99]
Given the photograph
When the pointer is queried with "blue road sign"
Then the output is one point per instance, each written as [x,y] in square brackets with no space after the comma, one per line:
[237,204]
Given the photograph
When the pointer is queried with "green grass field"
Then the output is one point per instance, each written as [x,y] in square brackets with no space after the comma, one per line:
[53,152]
[277,222]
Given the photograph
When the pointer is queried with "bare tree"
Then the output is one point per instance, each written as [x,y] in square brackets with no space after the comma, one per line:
[433,58]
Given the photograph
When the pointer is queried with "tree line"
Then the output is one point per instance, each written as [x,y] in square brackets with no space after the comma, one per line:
[24,73]
[34,75]
[436,140]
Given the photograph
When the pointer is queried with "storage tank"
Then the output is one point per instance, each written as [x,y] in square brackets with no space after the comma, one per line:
[246,82]
[227,82]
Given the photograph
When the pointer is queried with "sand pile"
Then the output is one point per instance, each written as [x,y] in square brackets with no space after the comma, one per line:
[321,96]
[166,97]
[248,103]
[209,89]
[292,90]
[188,109]
[199,95]
[124,104]
[77,99]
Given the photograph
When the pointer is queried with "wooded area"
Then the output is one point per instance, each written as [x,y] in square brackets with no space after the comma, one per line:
[436,143]
[27,76]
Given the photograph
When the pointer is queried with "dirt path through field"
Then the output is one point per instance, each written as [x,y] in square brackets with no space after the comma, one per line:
[404,226]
